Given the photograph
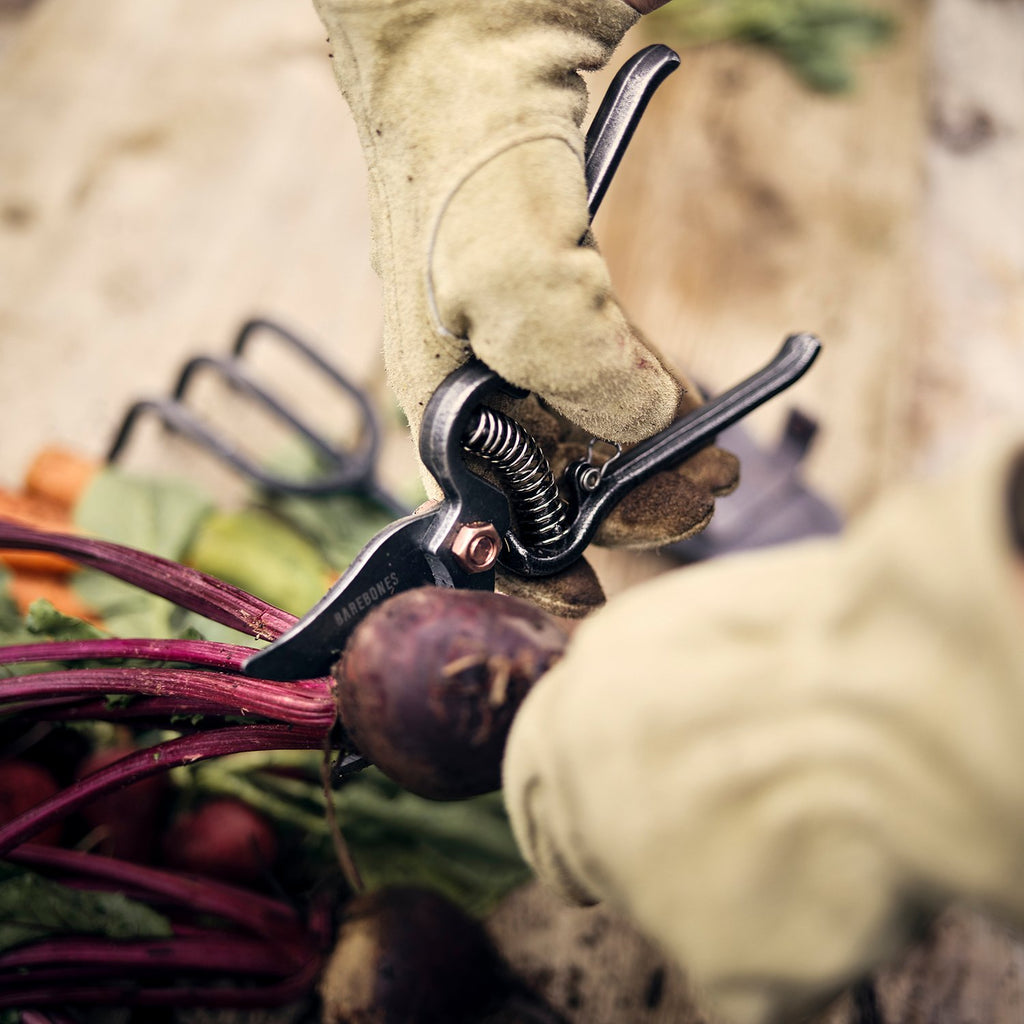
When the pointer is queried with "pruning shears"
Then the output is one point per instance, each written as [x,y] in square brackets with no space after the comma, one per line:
[526,522]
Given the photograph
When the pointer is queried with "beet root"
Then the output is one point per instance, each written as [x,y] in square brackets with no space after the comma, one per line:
[126,823]
[408,956]
[430,681]
[22,786]
[224,839]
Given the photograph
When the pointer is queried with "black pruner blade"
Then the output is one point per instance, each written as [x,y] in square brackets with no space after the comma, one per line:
[393,561]
[402,556]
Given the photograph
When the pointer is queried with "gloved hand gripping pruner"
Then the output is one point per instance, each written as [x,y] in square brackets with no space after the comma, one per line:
[526,522]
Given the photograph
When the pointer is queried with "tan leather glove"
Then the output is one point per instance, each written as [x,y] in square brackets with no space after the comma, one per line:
[776,763]
[469,115]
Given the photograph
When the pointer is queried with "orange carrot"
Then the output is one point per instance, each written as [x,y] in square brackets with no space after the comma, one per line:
[43,514]
[26,587]
[59,475]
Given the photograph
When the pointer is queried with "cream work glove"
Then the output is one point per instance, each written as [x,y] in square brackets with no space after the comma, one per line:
[469,115]
[777,763]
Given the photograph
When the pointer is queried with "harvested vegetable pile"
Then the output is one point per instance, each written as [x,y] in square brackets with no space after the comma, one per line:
[167,835]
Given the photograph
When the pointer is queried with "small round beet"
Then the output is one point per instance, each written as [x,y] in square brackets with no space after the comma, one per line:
[408,956]
[22,786]
[224,839]
[430,681]
[126,821]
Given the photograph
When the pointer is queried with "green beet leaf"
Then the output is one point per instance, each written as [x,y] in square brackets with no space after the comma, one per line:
[33,908]
[12,627]
[44,621]
[158,515]
[153,514]
[256,551]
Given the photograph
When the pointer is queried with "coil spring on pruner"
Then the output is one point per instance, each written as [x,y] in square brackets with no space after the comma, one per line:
[540,514]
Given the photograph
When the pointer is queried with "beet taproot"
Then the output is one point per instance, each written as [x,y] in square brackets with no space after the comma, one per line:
[223,838]
[430,681]
[22,786]
[406,955]
[125,823]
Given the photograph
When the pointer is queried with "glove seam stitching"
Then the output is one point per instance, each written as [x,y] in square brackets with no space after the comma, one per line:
[504,146]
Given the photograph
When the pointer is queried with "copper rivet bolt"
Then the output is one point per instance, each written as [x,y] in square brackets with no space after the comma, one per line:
[476,547]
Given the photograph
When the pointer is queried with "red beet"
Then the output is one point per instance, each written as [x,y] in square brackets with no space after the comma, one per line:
[408,956]
[126,823]
[224,839]
[430,681]
[22,786]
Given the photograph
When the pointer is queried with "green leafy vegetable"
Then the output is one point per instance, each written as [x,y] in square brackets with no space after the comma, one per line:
[464,849]
[43,619]
[281,548]
[152,514]
[816,38]
[159,516]
[339,525]
[33,907]
[10,618]
[12,627]
[257,551]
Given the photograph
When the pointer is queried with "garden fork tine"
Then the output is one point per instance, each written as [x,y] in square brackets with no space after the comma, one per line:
[347,472]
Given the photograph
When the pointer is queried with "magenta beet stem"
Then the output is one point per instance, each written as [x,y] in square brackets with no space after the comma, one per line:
[74,958]
[191,589]
[155,759]
[234,694]
[259,914]
[207,653]
[128,993]
[161,712]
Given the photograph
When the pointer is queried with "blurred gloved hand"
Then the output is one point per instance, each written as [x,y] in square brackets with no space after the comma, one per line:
[469,115]
[777,763]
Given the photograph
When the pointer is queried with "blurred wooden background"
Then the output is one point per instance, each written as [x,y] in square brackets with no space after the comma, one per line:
[169,168]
